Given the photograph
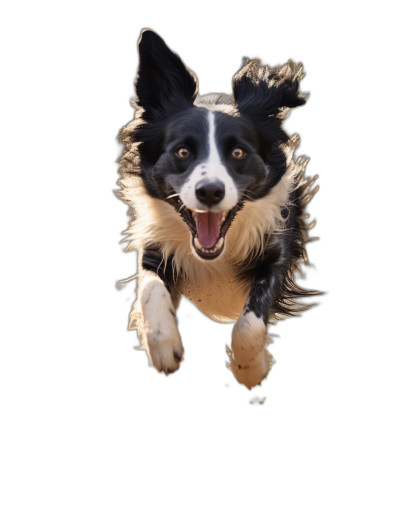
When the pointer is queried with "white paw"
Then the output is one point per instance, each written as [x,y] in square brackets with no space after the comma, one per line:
[160,328]
[249,360]
[165,346]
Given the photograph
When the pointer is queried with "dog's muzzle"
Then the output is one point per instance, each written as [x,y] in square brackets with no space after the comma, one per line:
[208,230]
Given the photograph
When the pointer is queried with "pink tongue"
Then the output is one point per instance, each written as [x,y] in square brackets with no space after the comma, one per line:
[208,228]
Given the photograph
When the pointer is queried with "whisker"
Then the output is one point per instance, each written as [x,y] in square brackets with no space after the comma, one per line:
[173,195]
[246,197]
[249,192]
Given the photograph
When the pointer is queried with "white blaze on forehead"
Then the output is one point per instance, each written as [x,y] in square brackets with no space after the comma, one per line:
[213,157]
[213,170]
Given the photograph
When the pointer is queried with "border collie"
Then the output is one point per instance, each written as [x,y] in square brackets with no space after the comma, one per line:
[217,203]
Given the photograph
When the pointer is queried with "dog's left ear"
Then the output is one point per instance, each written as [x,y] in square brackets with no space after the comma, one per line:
[265,93]
[164,84]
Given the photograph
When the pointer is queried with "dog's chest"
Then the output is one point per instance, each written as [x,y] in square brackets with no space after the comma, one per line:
[217,294]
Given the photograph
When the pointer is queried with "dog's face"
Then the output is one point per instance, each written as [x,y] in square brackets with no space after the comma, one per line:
[212,161]
[204,158]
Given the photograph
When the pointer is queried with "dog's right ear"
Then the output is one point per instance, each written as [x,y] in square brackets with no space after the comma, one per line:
[268,94]
[164,84]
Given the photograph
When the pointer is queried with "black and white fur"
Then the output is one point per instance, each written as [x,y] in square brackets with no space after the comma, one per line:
[194,167]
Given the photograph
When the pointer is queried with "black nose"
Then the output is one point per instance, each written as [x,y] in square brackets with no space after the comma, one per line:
[210,192]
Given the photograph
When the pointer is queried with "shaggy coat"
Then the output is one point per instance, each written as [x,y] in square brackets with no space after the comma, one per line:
[217,204]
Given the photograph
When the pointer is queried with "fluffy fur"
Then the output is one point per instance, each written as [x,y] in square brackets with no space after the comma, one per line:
[250,279]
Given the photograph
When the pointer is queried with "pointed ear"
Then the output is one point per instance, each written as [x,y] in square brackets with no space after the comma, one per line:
[163,84]
[265,93]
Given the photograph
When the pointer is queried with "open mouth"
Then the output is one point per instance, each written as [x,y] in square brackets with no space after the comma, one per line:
[208,230]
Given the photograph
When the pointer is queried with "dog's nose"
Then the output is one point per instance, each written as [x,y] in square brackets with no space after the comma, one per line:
[210,192]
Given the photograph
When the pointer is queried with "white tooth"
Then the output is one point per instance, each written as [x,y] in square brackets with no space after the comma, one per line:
[194,214]
[223,218]
[219,243]
[197,244]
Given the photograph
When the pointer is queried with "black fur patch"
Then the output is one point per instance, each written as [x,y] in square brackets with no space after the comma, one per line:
[274,290]
[153,261]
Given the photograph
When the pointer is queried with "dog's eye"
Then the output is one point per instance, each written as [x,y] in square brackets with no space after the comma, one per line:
[183,152]
[238,153]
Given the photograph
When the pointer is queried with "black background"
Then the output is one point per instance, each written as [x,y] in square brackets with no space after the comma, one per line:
[304,392]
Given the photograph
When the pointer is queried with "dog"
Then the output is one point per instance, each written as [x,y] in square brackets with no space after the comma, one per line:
[217,203]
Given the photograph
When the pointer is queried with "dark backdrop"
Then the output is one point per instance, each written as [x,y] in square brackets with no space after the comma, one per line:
[304,388]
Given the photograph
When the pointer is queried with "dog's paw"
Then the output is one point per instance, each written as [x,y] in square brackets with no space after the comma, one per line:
[249,360]
[252,373]
[165,346]
[160,328]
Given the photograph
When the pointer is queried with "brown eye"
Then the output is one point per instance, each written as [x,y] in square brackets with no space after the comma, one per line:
[238,153]
[183,152]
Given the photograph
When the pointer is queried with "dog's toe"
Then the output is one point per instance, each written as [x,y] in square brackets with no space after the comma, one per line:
[177,356]
[166,351]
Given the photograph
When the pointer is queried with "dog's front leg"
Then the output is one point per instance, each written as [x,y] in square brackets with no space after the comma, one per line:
[154,312]
[250,361]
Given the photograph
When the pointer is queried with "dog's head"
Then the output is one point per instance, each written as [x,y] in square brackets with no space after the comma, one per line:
[206,156]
